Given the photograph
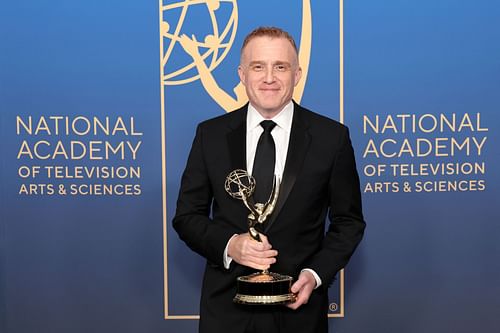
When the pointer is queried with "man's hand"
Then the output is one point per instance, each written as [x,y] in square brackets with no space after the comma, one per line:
[248,252]
[303,288]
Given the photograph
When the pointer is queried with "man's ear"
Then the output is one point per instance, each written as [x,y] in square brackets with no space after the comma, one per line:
[241,74]
[298,75]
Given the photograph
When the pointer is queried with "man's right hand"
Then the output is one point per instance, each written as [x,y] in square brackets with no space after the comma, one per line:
[248,252]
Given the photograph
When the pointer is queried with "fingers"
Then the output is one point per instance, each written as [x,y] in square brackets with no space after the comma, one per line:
[258,255]
[298,285]
[303,288]
[264,241]
[248,252]
[257,263]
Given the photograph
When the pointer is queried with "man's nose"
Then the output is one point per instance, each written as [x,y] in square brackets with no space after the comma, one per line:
[269,75]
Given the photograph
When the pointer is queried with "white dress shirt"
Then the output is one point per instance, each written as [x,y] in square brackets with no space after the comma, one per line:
[281,137]
[280,134]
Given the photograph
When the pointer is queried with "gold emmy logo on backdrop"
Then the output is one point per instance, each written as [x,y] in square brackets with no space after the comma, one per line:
[200,56]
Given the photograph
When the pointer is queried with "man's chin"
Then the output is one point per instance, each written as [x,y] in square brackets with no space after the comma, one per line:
[269,112]
[270,106]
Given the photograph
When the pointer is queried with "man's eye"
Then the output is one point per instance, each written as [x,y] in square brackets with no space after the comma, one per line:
[280,68]
[257,68]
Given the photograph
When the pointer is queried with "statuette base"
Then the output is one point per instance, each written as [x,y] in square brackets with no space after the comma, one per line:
[264,289]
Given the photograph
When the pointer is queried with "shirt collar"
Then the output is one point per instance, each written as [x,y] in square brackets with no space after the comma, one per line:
[283,119]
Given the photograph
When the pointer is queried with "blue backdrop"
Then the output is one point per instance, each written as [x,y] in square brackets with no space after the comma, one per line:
[95,128]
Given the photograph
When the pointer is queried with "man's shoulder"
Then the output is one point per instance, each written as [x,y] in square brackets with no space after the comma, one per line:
[319,121]
[225,120]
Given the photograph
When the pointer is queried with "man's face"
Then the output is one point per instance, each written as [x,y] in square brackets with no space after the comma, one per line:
[269,70]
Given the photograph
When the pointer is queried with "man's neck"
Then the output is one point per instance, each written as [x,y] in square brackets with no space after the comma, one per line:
[270,114]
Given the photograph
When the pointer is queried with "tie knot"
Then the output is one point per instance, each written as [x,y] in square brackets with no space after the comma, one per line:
[267,125]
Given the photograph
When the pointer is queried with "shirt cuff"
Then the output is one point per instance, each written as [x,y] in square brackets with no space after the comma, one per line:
[227,259]
[316,276]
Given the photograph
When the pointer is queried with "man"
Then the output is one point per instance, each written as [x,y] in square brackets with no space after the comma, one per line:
[314,160]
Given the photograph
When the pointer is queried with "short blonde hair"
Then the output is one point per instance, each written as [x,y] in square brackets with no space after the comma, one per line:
[272,32]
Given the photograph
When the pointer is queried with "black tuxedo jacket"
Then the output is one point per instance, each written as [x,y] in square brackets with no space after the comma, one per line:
[319,180]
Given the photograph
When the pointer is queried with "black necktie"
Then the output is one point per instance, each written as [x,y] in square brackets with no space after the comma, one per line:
[263,165]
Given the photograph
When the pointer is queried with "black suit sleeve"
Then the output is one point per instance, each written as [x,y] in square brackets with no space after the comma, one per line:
[346,227]
[192,220]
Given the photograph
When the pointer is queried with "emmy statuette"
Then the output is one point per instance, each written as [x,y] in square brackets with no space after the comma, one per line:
[261,287]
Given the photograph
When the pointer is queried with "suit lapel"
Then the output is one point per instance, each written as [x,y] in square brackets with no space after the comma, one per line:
[236,139]
[297,148]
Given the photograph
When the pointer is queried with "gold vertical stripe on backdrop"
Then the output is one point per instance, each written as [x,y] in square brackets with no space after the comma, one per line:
[341,312]
[163,169]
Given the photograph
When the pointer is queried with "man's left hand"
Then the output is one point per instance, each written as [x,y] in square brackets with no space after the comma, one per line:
[303,288]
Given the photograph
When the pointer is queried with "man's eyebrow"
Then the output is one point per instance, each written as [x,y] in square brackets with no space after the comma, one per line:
[279,62]
[260,62]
